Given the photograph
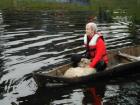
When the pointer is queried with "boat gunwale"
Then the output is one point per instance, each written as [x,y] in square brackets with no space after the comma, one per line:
[97,73]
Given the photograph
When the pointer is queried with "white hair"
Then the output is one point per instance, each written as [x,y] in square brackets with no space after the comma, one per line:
[93,26]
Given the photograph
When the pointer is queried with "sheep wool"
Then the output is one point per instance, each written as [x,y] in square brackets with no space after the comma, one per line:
[79,71]
[82,70]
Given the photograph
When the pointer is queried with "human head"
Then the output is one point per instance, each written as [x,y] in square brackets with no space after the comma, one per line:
[91,28]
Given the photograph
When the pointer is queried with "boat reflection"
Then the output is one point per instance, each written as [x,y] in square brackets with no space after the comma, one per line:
[44,96]
[72,95]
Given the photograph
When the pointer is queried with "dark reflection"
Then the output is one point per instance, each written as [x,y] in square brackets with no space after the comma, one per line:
[105,15]
[134,29]
[15,19]
[45,96]
[81,2]
[92,95]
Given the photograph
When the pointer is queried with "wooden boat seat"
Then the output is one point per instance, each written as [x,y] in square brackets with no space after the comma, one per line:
[128,57]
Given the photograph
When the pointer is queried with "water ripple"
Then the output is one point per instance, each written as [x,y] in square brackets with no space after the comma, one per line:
[32,41]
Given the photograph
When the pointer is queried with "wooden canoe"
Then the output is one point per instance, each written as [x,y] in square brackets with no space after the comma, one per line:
[122,62]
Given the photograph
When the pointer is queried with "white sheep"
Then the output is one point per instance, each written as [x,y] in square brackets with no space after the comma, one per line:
[82,70]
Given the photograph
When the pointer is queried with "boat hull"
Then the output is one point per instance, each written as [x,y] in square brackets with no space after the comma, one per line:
[118,67]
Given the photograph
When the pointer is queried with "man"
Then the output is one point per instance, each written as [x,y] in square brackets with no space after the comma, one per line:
[95,49]
[95,46]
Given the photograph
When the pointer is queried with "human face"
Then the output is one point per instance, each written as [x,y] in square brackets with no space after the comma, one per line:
[89,30]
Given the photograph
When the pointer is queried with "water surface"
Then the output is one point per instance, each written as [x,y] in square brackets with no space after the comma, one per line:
[34,40]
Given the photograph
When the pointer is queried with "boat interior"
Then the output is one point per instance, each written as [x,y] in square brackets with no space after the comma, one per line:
[116,58]
[123,55]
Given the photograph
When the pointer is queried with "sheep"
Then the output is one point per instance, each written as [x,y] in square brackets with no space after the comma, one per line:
[84,62]
[82,70]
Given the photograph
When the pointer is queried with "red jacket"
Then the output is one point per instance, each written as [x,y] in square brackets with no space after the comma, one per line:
[97,49]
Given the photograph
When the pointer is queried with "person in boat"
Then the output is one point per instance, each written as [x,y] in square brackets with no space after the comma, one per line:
[95,48]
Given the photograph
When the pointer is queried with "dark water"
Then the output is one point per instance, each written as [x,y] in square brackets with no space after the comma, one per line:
[30,41]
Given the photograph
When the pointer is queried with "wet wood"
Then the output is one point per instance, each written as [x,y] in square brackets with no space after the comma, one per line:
[128,57]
